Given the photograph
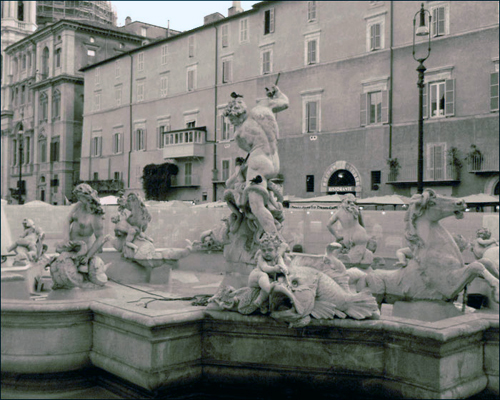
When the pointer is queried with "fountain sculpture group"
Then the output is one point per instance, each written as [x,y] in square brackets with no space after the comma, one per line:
[289,287]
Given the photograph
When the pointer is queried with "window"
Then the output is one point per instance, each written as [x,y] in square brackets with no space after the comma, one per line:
[118,95]
[95,176]
[20,10]
[23,94]
[140,62]
[311,49]
[54,149]
[439,20]
[43,151]
[14,66]
[23,62]
[312,116]
[17,95]
[144,31]
[91,53]
[97,101]
[117,143]
[96,146]
[227,73]
[188,168]
[163,134]
[311,11]
[374,107]
[267,61]
[116,176]
[117,69]
[441,98]
[190,124]
[309,182]
[45,63]
[191,78]
[56,104]
[244,30]
[436,165]
[164,54]
[225,35]
[375,37]
[44,107]
[376,180]
[91,39]
[269,21]
[191,46]
[58,58]
[494,91]
[29,60]
[163,86]
[226,129]
[139,142]
[97,76]
[27,149]
[225,170]
[140,91]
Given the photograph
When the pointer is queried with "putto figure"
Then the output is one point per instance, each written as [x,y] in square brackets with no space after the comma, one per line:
[29,246]
[256,203]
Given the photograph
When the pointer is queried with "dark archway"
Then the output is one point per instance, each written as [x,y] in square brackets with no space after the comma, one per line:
[496,191]
[342,181]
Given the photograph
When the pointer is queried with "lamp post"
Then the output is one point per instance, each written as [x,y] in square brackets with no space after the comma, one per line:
[20,135]
[422,30]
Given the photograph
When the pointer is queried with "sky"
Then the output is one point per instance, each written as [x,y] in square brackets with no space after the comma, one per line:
[183,15]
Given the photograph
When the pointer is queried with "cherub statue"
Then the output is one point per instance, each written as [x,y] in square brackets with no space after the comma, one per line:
[29,246]
[483,242]
[269,264]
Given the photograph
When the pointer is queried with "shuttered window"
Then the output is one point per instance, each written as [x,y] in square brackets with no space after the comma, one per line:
[436,161]
[312,116]
[375,37]
[438,21]
[374,108]
[269,21]
[494,91]
[227,71]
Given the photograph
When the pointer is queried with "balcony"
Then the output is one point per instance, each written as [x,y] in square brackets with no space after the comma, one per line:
[185,181]
[483,163]
[185,143]
[407,176]
[109,186]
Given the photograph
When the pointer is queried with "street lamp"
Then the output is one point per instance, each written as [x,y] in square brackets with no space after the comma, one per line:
[422,30]
[20,135]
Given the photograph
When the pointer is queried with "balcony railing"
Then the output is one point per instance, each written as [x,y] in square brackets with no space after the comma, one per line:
[184,143]
[487,162]
[185,181]
[408,174]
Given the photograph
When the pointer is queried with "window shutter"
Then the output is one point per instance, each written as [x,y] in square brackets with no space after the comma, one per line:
[439,164]
[271,20]
[99,142]
[430,163]
[385,107]
[377,36]
[494,91]
[312,120]
[425,106]
[145,139]
[435,22]
[363,115]
[372,37]
[159,141]
[449,109]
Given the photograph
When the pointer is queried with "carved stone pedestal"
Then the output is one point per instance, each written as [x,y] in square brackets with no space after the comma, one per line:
[429,311]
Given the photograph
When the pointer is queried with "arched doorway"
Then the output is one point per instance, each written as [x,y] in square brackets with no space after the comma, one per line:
[341,177]
[496,191]
[342,182]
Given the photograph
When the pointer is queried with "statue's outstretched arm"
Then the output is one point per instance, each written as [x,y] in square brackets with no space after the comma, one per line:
[279,101]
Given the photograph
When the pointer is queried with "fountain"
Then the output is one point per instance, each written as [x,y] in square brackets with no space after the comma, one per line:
[284,322]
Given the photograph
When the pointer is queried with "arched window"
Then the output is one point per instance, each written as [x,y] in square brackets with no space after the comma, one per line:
[23,62]
[20,10]
[16,97]
[44,107]
[14,66]
[56,105]
[58,58]
[45,63]
[42,147]
[29,60]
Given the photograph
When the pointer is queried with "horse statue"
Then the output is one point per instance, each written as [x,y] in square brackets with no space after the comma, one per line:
[436,270]
[353,236]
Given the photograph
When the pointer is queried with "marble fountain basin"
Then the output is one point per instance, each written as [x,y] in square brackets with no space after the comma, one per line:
[154,350]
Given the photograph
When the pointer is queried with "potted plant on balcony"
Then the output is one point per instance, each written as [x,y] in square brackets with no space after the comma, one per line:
[394,168]
[455,161]
[475,158]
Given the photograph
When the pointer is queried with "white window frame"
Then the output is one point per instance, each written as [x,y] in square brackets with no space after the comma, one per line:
[491,86]
[163,139]
[227,77]
[97,76]
[191,46]
[90,52]
[271,21]
[369,111]
[244,31]
[262,52]
[139,145]
[310,38]
[433,76]
[308,97]
[97,101]
[224,36]
[118,95]
[430,167]
[140,62]
[164,54]
[117,69]
[144,31]
[371,86]
[312,11]
[193,69]
[163,85]
[438,4]
[378,19]
[228,161]
[140,89]
[117,145]
[96,149]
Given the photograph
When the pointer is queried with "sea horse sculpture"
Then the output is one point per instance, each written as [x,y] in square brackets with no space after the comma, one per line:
[436,270]
[251,195]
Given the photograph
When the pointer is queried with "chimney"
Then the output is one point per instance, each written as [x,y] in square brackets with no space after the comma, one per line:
[212,18]
[235,9]
[128,20]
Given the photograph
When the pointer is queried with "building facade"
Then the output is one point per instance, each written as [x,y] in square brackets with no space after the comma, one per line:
[43,106]
[348,70]
[97,11]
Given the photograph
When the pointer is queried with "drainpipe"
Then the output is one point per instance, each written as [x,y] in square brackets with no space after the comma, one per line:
[215,111]
[130,119]
[391,79]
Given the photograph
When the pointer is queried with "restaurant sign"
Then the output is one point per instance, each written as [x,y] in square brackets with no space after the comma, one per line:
[341,188]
